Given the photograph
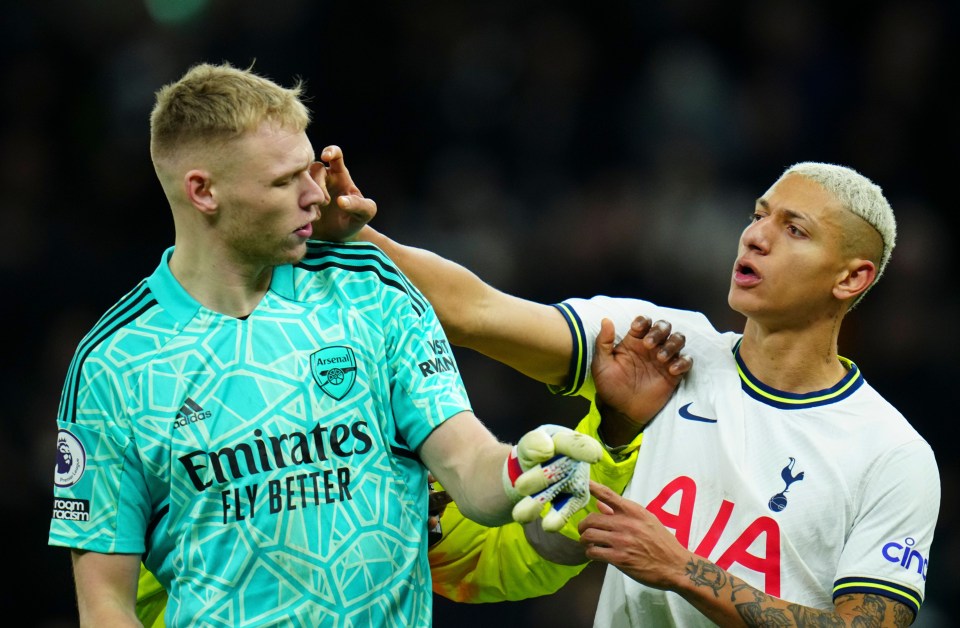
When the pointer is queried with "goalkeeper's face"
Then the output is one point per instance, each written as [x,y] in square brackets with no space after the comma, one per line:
[268,196]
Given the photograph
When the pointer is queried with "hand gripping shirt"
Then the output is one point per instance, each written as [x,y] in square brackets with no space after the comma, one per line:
[804,496]
[265,467]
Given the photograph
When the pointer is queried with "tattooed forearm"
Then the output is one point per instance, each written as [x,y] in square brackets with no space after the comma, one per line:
[738,586]
[756,608]
[754,614]
[705,574]
[725,599]
[806,616]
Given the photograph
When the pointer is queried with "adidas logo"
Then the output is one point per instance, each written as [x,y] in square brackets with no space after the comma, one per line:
[190,412]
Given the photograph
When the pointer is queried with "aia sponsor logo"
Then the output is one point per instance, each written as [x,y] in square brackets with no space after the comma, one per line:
[764,531]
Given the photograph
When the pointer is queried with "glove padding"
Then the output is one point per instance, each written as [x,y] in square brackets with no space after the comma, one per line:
[550,464]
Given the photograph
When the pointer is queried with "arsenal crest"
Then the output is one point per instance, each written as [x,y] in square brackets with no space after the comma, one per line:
[334,369]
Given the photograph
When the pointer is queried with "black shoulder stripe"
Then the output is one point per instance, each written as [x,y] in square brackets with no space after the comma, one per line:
[91,337]
[362,259]
[130,307]
[578,356]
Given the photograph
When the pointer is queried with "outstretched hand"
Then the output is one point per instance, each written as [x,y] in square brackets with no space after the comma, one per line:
[637,376]
[348,209]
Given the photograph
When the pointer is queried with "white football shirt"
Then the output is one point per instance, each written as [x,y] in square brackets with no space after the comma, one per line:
[804,496]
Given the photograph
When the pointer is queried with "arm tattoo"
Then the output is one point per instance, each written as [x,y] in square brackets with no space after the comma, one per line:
[902,616]
[873,610]
[753,614]
[756,608]
[705,574]
[806,616]
[739,586]
[757,613]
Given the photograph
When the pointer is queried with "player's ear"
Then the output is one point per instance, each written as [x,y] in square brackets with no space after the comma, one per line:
[198,186]
[858,275]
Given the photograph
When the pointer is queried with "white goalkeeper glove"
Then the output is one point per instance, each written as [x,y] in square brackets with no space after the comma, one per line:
[550,464]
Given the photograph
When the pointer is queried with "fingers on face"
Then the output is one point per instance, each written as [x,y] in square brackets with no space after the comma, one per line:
[319,175]
[331,153]
[360,207]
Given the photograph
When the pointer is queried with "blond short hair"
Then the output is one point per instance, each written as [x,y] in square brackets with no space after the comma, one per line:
[216,103]
[860,196]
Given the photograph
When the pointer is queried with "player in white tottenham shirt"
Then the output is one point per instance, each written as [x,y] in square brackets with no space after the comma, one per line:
[777,487]
[807,497]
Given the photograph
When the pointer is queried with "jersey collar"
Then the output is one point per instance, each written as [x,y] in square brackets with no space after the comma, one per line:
[796,401]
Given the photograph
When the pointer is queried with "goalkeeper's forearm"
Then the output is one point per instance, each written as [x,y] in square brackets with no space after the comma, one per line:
[468,461]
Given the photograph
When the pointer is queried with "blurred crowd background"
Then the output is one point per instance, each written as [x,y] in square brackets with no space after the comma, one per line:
[555,148]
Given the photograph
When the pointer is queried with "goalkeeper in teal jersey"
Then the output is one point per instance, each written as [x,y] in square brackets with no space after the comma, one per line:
[256,419]
[473,563]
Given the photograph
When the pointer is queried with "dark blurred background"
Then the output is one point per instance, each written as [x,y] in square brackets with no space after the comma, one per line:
[556,148]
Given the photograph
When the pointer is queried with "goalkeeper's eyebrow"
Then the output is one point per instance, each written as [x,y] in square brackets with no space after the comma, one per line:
[293,172]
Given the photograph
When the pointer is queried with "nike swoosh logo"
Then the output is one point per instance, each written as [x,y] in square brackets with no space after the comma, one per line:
[690,416]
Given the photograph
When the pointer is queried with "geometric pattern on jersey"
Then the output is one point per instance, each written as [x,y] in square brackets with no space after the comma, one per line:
[806,497]
[265,467]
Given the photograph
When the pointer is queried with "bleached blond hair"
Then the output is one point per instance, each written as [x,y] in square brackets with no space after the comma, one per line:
[859,195]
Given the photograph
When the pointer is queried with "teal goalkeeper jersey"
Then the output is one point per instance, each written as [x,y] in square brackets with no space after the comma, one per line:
[266,468]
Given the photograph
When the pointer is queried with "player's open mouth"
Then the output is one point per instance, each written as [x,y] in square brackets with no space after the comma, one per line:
[304,231]
[745,275]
